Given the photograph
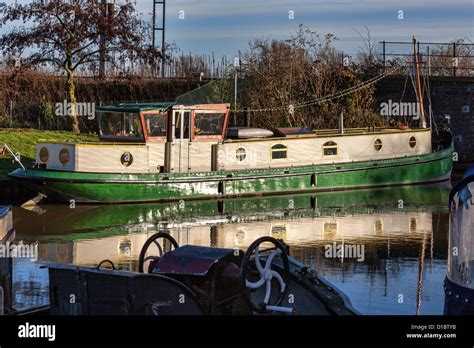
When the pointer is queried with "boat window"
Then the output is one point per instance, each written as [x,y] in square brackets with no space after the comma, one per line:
[330,148]
[208,123]
[378,144]
[279,151]
[240,154]
[155,125]
[177,123]
[412,142]
[120,124]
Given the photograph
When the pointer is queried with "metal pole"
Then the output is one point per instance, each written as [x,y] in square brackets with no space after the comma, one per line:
[341,123]
[429,60]
[163,41]
[153,38]
[235,99]
[383,42]
[454,58]
[181,136]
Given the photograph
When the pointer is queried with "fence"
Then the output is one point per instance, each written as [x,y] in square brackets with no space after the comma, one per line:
[442,59]
[39,115]
[178,66]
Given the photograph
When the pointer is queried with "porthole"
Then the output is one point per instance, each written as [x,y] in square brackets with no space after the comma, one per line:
[378,144]
[125,247]
[44,155]
[240,154]
[412,142]
[126,159]
[64,156]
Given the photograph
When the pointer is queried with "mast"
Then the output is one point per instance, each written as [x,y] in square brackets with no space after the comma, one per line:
[418,86]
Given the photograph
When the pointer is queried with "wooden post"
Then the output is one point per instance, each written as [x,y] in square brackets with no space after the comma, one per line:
[418,81]
[7,235]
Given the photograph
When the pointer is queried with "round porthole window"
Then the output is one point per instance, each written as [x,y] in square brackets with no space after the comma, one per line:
[126,159]
[412,142]
[125,247]
[44,155]
[64,156]
[240,154]
[378,144]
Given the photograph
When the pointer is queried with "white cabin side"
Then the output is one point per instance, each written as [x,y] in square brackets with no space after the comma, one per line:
[310,150]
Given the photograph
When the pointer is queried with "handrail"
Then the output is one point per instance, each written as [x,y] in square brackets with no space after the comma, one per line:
[16,157]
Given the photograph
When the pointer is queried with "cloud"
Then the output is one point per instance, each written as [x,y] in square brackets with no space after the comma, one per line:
[227,26]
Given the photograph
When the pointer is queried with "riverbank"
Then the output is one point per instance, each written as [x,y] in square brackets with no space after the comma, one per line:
[24,141]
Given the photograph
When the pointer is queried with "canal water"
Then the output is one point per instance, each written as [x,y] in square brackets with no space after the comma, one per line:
[400,234]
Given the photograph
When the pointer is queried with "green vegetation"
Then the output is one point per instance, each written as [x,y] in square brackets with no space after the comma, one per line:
[24,141]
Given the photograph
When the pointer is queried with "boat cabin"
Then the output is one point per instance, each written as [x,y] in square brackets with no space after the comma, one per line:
[177,138]
[144,138]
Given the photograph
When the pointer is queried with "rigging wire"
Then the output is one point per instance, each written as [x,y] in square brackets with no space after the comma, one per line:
[428,93]
[329,97]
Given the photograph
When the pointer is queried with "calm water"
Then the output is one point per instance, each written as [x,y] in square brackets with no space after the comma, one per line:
[403,231]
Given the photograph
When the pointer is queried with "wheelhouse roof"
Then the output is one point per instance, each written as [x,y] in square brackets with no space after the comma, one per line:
[159,106]
[136,107]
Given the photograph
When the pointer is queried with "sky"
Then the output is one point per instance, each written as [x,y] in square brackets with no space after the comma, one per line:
[227,26]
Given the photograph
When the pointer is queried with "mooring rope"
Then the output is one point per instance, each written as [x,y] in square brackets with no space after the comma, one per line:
[321,100]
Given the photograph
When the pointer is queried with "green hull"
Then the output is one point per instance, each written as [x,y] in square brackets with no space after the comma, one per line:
[123,188]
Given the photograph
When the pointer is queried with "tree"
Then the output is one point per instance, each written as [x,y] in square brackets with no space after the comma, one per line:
[458,55]
[368,63]
[280,74]
[65,35]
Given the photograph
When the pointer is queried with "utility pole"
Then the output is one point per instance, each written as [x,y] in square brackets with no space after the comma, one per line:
[156,5]
[107,12]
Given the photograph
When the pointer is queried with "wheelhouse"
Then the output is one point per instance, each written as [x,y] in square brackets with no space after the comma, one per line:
[144,138]
[162,122]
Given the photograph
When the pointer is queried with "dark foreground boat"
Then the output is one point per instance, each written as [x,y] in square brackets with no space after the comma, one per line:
[195,280]
[6,265]
[459,283]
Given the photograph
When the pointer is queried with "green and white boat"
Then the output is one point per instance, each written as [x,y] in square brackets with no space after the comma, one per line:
[171,152]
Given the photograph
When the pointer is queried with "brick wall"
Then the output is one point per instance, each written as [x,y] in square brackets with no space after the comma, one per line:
[449,95]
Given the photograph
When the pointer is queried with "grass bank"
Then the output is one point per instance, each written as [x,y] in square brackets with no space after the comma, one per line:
[24,141]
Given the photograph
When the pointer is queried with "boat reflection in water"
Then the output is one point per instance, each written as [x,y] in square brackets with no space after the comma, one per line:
[459,284]
[398,233]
